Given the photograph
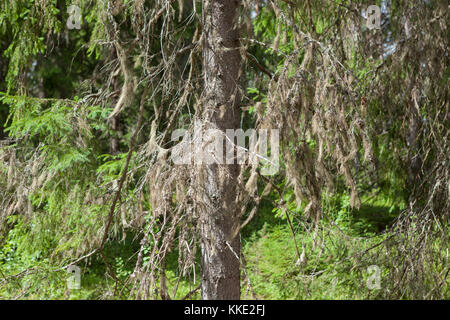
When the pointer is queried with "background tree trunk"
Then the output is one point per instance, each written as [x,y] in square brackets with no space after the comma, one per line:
[219,213]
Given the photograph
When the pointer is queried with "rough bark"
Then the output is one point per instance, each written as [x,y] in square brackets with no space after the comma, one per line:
[218,182]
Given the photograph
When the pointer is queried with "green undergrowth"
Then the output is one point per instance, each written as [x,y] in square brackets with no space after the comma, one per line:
[328,264]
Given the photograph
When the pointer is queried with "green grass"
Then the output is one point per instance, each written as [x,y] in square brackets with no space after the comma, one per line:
[269,250]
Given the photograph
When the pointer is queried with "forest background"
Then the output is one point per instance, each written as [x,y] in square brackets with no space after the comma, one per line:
[358,209]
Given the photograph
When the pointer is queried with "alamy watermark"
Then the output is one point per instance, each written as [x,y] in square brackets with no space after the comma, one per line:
[74,279]
[374,279]
[208,146]
[74,21]
[373,16]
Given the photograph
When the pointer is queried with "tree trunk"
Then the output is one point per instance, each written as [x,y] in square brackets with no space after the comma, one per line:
[219,213]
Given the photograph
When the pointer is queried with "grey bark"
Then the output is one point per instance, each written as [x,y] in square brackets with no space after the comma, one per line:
[218,182]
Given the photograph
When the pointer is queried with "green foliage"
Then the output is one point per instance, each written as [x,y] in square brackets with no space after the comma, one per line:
[270,254]
[23,19]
